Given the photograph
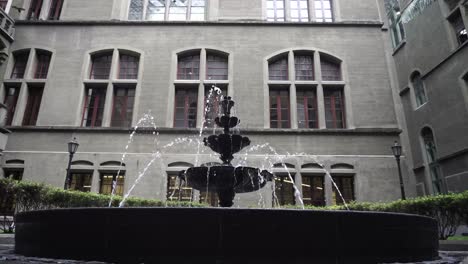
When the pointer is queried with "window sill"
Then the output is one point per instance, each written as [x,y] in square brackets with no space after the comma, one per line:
[399,47]
[421,106]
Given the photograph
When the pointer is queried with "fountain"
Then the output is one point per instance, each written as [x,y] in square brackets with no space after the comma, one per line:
[225,235]
[226,180]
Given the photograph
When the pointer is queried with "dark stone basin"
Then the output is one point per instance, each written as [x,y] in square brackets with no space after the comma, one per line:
[227,145]
[215,235]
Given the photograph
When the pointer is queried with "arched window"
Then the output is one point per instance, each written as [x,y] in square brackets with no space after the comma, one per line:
[123,94]
[188,67]
[42,64]
[305,84]
[216,66]
[278,68]
[128,66]
[419,91]
[196,87]
[101,65]
[331,70]
[432,162]
[20,60]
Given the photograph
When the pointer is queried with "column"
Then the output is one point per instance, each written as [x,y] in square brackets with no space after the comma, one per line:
[320,96]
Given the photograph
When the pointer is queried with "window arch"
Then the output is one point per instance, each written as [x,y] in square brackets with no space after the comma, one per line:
[202,75]
[419,90]
[42,63]
[430,153]
[128,65]
[311,71]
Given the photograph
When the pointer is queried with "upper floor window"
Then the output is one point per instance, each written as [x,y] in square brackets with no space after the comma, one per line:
[323,11]
[55,9]
[3,4]
[304,65]
[122,106]
[10,100]
[419,91]
[188,67]
[33,105]
[216,67]
[275,10]
[160,10]
[331,71]
[459,28]
[397,31]
[19,67]
[278,69]
[186,107]
[128,66]
[299,10]
[93,111]
[100,66]
[305,111]
[42,64]
[34,10]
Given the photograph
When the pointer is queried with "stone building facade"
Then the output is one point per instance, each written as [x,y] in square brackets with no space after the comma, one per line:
[312,81]
[431,69]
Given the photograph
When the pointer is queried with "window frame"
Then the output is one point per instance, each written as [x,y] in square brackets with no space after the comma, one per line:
[333,107]
[283,177]
[306,110]
[33,105]
[73,181]
[431,160]
[126,63]
[419,90]
[188,92]
[171,191]
[167,11]
[42,67]
[279,107]
[96,106]
[395,24]
[125,121]
[117,182]
[55,9]
[34,10]
[457,16]
[338,180]
[109,57]
[11,108]
[311,201]
[24,56]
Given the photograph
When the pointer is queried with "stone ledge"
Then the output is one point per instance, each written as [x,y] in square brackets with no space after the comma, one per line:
[453,245]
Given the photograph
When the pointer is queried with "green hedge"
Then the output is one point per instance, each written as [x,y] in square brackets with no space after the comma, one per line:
[25,196]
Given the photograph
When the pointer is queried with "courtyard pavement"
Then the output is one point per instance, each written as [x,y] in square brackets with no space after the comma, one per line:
[7,256]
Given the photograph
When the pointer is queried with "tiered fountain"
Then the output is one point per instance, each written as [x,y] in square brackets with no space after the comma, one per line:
[224,235]
[226,180]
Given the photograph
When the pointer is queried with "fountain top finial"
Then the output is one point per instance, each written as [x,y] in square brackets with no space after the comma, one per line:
[227,104]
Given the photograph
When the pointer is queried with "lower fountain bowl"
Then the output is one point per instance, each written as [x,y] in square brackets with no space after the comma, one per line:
[215,235]
[215,178]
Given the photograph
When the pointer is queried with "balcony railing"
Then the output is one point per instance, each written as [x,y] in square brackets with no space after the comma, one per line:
[7,24]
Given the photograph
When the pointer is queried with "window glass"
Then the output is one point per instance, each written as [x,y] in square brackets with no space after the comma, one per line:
[186,107]
[312,190]
[178,10]
[109,181]
[19,67]
[156,10]
[81,181]
[197,10]
[275,10]
[94,106]
[11,98]
[284,190]
[32,106]
[212,109]
[304,67]
[299,10]
[55,9]
[393,11]
[14,174]
[438,182]
[278,69]
[136,10]
[458,26]
[122,107]
[177,190]
[307,108]
[188,67]
[217,67]
[334,108]
[279,108]
[34,10]
[419,90]
[331,71]
[128,67]
[42,66]
[101,65]
[345,185]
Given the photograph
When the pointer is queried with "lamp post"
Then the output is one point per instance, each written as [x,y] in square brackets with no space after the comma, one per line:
[72,148]
[396,149]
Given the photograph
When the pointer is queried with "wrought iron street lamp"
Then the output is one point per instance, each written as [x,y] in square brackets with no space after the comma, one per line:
[396,149]
[72,148]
